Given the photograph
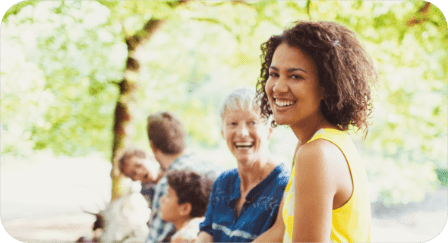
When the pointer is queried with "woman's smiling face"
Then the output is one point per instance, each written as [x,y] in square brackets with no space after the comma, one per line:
[247,135]
[293,87]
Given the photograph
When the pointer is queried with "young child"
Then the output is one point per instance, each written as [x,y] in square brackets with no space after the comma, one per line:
[185,203]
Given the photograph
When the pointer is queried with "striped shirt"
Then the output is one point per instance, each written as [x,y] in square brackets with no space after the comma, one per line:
[160,230]
[258,213]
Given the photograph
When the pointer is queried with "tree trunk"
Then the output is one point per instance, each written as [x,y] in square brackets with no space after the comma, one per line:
[124,123]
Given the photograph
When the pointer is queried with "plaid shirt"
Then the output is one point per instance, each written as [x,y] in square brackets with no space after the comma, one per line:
[160,230]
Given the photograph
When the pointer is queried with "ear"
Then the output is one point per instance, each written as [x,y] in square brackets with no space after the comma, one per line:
[222,133]
[185,209]
[153,147]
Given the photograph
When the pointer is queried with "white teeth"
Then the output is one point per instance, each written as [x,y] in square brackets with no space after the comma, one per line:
[284,103]
[243,145]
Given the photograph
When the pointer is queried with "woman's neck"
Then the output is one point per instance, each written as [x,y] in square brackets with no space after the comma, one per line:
[254,173]
[304,131]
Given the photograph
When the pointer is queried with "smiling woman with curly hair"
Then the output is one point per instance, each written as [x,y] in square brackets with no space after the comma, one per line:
[316,78]
[343,67]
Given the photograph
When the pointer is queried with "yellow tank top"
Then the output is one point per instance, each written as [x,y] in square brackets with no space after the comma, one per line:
[351,222]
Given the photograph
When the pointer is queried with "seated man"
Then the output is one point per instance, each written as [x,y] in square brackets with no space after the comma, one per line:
[139,166]
[185,203]
[167,139]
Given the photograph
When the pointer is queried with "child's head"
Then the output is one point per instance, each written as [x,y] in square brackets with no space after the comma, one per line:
[187,196]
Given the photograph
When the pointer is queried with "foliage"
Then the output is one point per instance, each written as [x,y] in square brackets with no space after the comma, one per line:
[73,67]
[65,58]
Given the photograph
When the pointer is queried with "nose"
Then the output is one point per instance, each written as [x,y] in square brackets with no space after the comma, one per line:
[280,86]
[243,130]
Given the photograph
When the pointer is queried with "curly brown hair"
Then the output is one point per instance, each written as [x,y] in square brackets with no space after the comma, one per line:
[345,70]
[192,188]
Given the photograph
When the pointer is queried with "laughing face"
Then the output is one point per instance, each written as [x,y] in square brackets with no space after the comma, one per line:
[141,169]
[293,87]
[247,135]
[135,169]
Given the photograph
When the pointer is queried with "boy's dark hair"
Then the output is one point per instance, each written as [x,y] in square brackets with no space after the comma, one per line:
[344,68]
[128,154]
[192,188]
[167,132]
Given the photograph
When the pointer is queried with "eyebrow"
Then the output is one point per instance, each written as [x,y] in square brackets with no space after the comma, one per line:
[289,70]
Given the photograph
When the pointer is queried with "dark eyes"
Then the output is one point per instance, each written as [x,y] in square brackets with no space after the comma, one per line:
[236,124]
[273,74]
[294,76]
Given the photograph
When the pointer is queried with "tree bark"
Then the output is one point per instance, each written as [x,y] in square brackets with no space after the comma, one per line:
[124,123]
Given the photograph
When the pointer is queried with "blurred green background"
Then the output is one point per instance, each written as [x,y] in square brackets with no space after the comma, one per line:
[62,60]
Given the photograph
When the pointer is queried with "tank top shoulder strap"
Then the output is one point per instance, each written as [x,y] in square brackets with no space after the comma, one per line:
[330,134]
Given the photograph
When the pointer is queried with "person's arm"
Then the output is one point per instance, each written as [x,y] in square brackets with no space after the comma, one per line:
[275,233]
[315,187]
[204,237]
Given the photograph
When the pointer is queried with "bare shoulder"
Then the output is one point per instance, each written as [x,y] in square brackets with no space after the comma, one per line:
[320,151]
[321,160]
